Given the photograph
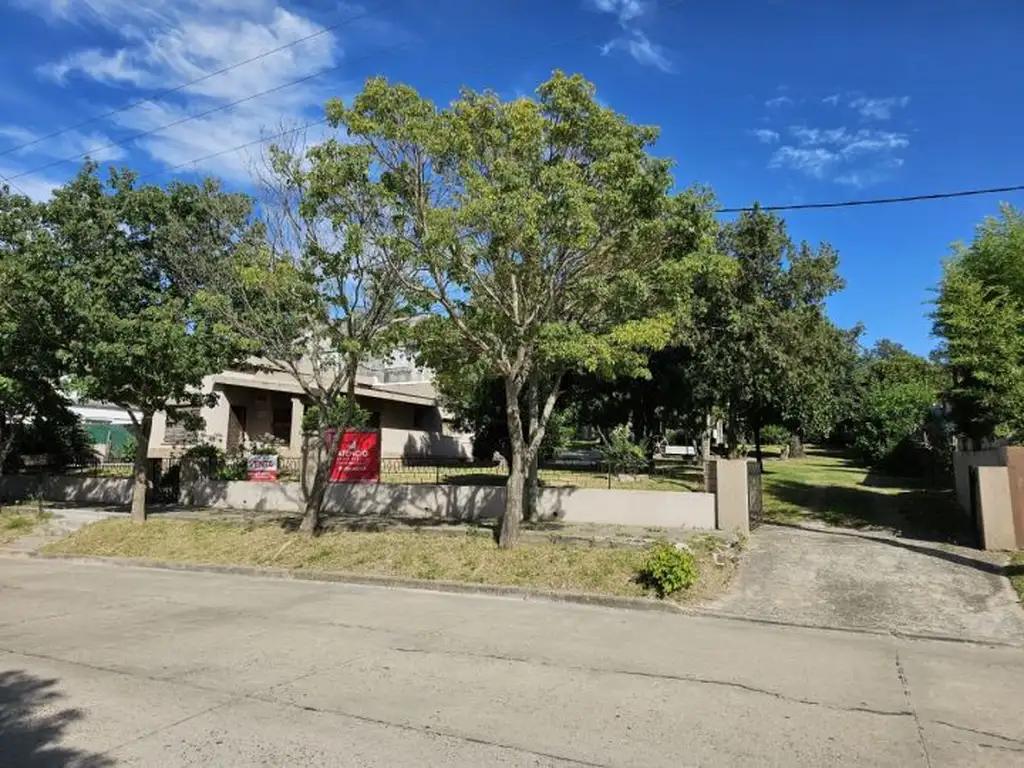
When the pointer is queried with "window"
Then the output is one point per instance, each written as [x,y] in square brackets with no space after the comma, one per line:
[425,418]
[177,431]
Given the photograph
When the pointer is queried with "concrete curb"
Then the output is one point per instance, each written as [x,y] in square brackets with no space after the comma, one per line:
[339,577]
[490,590]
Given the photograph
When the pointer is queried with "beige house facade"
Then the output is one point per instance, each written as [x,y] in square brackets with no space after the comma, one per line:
[263,406]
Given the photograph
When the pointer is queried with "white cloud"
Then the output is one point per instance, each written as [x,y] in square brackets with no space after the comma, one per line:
[626,10]
[832,100]
[878,108]
[851,157]
[162,44]
[35,186]
[778,102]
[765,136]
[869,176]
[96,145]
[641,49]
[813,161]
[635,41]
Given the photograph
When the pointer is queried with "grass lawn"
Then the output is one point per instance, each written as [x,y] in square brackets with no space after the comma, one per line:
[17,522]
[471,558]
[830,488]
[1016,573]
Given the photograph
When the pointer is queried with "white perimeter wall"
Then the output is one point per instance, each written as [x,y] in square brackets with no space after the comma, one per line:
[662,509]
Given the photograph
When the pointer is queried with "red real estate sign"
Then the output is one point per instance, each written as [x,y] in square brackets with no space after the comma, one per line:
[358,456]
[262,469]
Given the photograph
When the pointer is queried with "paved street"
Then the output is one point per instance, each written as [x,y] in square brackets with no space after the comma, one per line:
[103,665]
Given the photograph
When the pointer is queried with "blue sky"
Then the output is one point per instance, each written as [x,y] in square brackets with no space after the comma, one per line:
[780,101]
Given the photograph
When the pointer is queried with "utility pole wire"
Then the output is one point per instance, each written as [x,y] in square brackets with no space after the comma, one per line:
[875,201]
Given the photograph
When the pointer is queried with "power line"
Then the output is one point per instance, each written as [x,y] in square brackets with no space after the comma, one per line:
[262,140]
[875,201]
[212,110]
[182,86]
[265,139]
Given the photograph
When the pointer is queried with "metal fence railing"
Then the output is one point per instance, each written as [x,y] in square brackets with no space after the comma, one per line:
[661,475]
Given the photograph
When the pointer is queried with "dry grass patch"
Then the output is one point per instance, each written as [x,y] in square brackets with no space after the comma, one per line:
[17,522]
[1016,573]
[471,558]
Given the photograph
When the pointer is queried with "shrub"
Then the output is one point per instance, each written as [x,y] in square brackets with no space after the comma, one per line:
[773,434]
[668,569]
[621,453]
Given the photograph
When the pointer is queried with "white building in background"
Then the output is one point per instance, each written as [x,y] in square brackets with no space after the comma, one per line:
[93,412]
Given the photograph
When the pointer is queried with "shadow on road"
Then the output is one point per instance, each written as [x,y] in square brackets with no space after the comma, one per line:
[941,554]
[32,725]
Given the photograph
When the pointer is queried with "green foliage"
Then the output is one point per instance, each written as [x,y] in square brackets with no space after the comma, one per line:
[341,413]
[774,434]
[56,434]
[529,228]
[141,341]
[126,451]
[979,318]
[33,320]
[895,424]
[621,453]
[668,569]
[213,463]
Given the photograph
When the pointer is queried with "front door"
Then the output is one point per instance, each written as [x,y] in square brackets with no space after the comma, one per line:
[236,427]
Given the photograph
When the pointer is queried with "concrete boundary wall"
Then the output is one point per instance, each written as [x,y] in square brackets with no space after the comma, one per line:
[64,488]
[993,503]
[662,509]
[725,509]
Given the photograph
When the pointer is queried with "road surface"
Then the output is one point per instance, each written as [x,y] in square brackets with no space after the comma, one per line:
[105,665]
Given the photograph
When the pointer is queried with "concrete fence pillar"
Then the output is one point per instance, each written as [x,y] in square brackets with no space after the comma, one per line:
[995,509]
[732,500]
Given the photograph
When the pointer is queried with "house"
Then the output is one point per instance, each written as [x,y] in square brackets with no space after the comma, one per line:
[257,405]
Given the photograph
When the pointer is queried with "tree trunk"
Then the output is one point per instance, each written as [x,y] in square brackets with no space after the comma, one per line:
[6,442]
[705,441]
[796,446]
[757,447]
[140,468]
[509,533]
[732,438]
[532,494]
[323,455]
[517,467]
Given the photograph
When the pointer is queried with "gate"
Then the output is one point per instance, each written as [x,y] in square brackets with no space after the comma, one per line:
[755,500]
[166,476]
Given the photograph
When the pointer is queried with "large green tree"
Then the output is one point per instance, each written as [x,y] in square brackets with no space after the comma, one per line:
[140,340]
[758,326]
[529,228]
[979,318]
[33,327]
[320,296]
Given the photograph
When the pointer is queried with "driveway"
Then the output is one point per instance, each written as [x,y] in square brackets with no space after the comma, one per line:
[105,665]
[838,577]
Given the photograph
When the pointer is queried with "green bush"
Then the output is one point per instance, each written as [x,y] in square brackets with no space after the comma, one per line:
[622,454]
[773,434]
[668,569]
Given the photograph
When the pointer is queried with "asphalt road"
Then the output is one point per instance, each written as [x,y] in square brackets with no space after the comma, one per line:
[103,665]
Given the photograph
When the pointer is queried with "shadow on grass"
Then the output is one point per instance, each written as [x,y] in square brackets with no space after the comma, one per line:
[918,513]
[32,724]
